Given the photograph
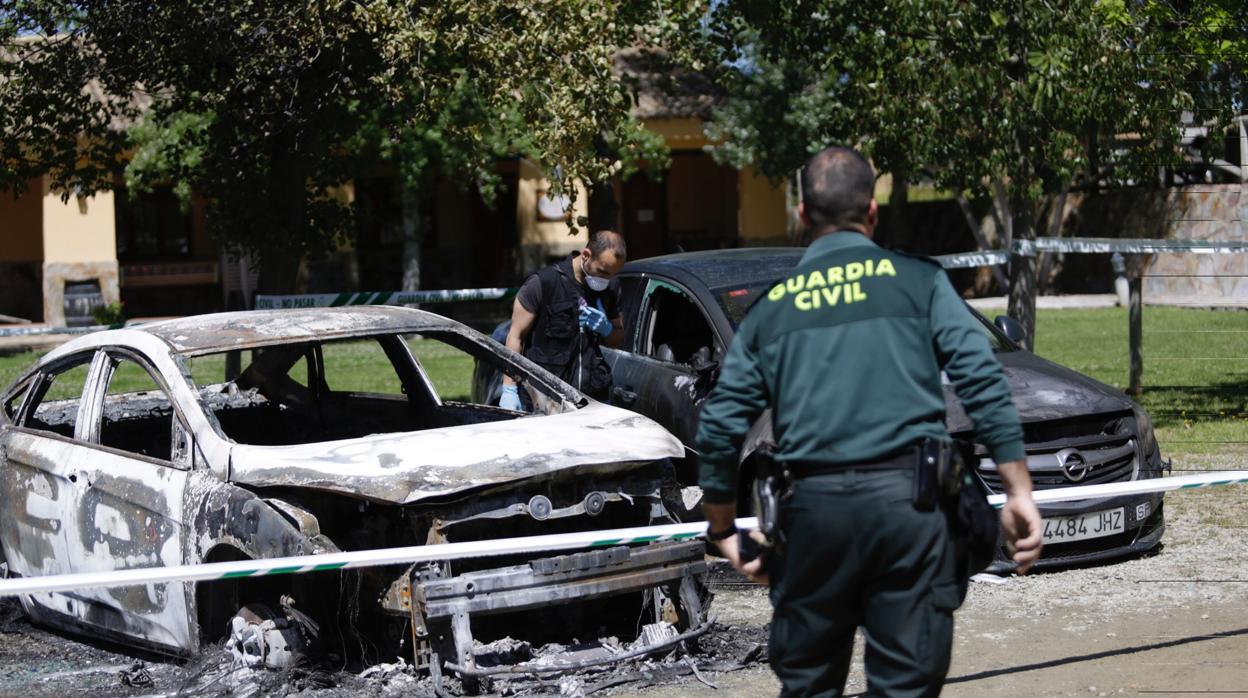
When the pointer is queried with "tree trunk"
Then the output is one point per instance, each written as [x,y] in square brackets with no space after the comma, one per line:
[1022,268]
[898,199]
[1051,264]
[413,230]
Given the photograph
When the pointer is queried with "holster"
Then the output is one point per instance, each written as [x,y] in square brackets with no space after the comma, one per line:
[938,472]
[773,485]
[975,525]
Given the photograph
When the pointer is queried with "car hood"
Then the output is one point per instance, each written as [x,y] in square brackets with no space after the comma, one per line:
[410,466]
[1043,391]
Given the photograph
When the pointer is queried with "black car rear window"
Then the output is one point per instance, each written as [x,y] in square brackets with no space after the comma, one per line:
[736,300]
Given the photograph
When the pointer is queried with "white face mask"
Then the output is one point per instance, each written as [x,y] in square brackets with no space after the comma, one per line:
[597,283]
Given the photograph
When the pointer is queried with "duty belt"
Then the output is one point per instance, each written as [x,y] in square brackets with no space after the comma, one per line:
[898,460]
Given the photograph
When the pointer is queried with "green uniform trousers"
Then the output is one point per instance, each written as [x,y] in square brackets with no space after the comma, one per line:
[859,554]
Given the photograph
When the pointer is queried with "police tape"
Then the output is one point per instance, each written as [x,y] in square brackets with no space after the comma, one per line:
[335,300]
[41,330]
[967,260]
[1030,248]
[246,569]
[215,571]
[960,260]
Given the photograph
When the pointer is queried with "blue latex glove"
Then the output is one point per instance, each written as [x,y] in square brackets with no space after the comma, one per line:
[510,399]
[596,320]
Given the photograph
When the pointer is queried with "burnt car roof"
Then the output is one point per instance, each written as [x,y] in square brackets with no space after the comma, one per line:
[719,268]
[205,334]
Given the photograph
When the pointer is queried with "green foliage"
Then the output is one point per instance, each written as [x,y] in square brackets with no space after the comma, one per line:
[1031,95]
[113,314]
[266,107]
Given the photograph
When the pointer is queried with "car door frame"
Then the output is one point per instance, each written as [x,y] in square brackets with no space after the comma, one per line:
[53,459]
[658,397]
[133,502]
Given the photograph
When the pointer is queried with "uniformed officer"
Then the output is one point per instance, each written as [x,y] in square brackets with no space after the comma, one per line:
[565,312]
[848,351]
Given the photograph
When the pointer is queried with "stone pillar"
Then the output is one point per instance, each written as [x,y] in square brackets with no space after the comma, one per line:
[79,244]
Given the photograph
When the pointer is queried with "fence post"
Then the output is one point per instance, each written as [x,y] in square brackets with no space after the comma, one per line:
[1135,334]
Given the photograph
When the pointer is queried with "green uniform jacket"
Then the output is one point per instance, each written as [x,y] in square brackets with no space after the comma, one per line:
[848,350]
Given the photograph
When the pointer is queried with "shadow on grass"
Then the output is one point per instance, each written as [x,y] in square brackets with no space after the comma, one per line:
[1177,405]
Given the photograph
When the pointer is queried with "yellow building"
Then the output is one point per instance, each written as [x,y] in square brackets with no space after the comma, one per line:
[51,240]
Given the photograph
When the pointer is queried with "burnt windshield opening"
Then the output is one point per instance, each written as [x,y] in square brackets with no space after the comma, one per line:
[307,392]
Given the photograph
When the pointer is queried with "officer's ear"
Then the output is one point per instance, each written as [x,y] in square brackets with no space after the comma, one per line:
[801,214]
[873,215]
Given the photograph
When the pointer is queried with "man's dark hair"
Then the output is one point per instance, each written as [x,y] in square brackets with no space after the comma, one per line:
[837,187]
[602,240]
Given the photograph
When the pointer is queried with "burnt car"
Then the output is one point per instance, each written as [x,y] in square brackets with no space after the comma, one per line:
[274,433]
[681,312]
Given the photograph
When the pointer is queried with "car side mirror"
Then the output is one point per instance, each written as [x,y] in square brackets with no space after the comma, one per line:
[1011,329]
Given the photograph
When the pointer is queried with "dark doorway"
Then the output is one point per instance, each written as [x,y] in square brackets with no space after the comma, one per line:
[694,207]
[645,216]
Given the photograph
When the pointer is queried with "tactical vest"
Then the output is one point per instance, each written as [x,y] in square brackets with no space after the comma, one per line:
[557,342]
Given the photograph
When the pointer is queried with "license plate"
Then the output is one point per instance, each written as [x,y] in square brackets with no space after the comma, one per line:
[1065,529]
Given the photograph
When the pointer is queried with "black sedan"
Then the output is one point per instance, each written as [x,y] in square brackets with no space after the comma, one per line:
[681,312]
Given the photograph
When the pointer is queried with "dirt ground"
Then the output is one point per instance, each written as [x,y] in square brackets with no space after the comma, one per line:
[1173,623]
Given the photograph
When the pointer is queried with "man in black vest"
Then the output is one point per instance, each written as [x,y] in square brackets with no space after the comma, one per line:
[563,314]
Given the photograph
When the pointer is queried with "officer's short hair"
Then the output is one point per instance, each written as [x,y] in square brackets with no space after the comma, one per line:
[837,187]
[602,240]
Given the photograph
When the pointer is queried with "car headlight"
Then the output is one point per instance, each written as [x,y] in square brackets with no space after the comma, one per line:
[1147,437]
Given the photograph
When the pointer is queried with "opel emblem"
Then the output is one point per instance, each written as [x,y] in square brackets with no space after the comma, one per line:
[1074,467]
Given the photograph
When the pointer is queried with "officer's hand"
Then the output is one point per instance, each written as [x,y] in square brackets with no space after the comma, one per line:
[1024,530]
[510,399]
[752,569]
[595,320]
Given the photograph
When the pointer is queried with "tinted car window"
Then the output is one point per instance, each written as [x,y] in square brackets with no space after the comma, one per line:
[737,300]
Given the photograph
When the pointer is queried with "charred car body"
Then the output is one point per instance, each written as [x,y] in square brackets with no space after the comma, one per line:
[165,445]
[681,312]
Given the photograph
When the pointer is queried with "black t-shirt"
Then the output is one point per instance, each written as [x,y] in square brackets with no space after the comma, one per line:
[530,296]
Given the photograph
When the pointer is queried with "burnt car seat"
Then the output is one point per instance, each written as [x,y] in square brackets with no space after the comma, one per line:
[664,353]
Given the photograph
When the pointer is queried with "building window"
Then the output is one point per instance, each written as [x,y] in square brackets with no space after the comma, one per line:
[152,225]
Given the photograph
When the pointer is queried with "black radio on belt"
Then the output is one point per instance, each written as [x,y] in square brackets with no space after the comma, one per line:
[937,473]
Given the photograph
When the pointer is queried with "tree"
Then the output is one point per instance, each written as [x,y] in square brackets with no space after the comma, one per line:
[265,107]
[1015,100]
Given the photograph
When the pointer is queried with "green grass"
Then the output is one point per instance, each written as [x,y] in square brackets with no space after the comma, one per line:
[1195,382]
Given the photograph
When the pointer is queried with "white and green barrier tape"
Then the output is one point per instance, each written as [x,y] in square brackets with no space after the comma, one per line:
[516,546]
[961,260]
[1030,248]
[967,260]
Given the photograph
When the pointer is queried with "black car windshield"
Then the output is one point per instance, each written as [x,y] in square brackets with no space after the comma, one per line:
[737,300]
